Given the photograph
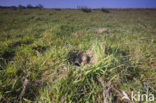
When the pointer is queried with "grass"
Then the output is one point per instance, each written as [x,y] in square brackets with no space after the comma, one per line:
[35,47]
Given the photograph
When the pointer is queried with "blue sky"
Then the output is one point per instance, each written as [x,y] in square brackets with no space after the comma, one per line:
[88,3]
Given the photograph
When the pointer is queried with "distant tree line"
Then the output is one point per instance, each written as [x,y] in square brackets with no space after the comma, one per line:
[29,6]
[88,10]
[84,9]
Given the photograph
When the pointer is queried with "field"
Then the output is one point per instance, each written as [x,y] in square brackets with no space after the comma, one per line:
[72,56]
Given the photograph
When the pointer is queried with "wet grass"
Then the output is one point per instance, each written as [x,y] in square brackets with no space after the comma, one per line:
[37,46]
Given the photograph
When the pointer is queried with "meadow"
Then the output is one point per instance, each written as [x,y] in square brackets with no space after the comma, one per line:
[42,53]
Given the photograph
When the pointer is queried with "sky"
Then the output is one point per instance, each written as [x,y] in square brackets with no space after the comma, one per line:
[87,3]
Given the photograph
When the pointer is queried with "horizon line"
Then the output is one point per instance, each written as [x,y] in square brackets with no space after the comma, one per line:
[85,6]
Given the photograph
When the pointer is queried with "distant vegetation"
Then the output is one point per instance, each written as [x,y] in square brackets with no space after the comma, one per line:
[105,10]
[29,6]
[84,9]
[21,7]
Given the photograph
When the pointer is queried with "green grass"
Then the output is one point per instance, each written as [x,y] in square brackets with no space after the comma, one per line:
[35,46]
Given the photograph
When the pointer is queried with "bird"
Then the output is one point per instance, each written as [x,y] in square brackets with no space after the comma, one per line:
[84,59]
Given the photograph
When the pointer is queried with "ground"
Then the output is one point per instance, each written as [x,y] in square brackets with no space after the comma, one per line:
[72,56]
